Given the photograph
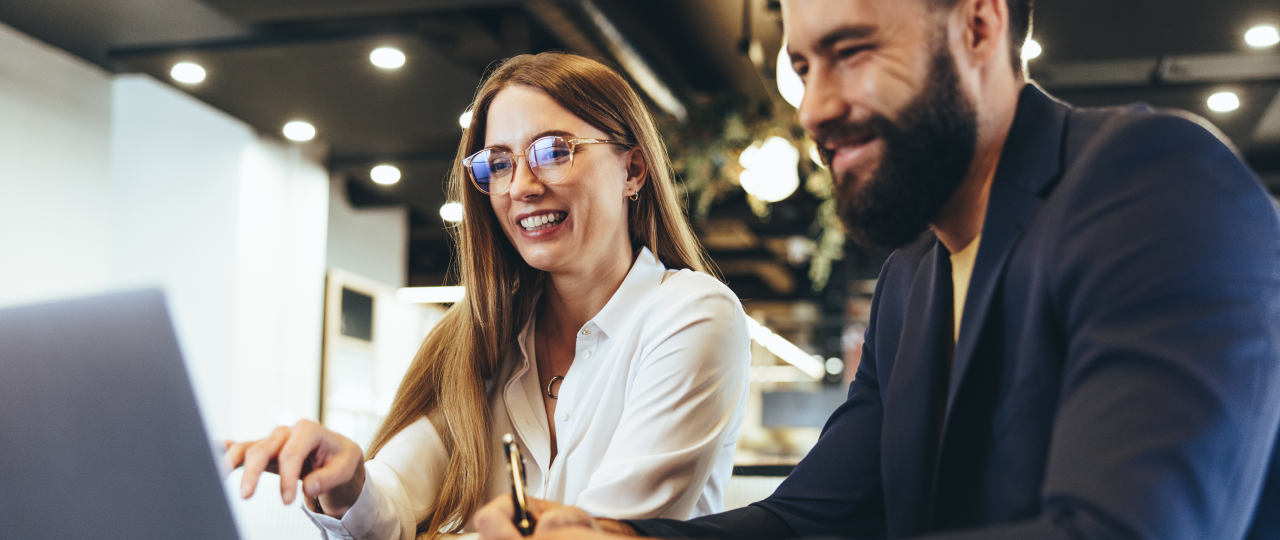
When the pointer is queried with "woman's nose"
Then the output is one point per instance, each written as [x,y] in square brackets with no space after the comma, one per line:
[524,184]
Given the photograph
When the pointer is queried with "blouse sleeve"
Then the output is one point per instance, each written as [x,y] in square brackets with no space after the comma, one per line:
[682,410]
[400,485]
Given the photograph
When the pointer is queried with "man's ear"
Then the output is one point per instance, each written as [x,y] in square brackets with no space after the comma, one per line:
[985,33]
[637,171]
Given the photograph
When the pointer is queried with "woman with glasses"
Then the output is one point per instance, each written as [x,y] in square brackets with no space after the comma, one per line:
[589,331]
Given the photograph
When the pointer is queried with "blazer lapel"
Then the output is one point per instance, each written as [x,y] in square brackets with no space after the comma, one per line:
[1029,166]
[913,405]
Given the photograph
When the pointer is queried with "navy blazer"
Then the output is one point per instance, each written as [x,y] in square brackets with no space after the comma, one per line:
[1117,373]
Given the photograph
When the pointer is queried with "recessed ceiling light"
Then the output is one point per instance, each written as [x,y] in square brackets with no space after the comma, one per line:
[299,131]
[789,83]
[387,57]
[1224,102]
[385,174]
[187,72]
[465,120]
[1031,49]
[1262,36]
[451,212]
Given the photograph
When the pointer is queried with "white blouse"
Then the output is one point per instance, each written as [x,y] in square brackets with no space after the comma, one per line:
[647,418]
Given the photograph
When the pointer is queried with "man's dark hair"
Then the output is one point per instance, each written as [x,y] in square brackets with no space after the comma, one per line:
[1019,26]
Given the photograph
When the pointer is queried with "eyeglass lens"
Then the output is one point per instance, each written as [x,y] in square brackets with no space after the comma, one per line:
[549,158]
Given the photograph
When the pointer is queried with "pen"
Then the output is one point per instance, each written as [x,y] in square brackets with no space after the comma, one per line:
[515,463]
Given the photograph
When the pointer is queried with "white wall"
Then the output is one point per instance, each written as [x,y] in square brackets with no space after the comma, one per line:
[55,116]
[233,227]
[372,243]
[110,182]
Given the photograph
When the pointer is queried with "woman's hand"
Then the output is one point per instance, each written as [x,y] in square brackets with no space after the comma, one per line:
[330,466]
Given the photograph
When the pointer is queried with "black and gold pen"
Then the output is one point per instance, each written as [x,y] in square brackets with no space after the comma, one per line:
[521,516]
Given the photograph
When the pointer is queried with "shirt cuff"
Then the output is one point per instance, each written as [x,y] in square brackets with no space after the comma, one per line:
[358,520]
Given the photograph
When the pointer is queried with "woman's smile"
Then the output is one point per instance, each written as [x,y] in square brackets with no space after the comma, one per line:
[542,224]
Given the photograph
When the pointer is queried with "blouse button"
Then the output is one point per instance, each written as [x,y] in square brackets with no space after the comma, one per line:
[564,417]
[586,355]
[586,331]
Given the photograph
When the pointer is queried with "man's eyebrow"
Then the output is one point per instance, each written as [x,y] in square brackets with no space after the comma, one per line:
[860,31]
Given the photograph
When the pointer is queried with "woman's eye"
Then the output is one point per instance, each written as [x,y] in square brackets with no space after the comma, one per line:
[557,153]
[499,166]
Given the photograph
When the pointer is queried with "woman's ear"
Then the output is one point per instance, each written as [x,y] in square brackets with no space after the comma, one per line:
[637,171]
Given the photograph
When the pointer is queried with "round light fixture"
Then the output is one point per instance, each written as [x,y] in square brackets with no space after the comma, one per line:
[387,57]
[770,172]
[385,174]
[187,72]
[451,212]
[789,83]
[835,366]
[1262,36]
[465,120]
[300,131]
[1031,49]
[1224,102]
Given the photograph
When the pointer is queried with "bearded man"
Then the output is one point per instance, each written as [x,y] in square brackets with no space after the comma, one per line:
[1078,335]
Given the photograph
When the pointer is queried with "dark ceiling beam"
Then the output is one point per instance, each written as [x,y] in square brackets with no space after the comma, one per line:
[1168,70]
[1268,129]
[552,15]
[254,41]
[260,11]
[345,161]
[583,27]
[634,63]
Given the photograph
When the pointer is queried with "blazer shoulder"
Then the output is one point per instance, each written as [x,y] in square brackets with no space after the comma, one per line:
[1138,127]
[1137,146]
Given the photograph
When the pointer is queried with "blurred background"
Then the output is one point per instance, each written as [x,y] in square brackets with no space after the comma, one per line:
[278,167]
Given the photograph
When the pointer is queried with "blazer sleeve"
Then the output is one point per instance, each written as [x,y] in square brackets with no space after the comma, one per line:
[1167,280]
[837,489]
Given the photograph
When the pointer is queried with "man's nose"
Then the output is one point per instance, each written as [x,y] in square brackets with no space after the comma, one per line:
[823,101]
[523,182]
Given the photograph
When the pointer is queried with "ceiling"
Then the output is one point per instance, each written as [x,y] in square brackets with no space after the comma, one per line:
[271,61]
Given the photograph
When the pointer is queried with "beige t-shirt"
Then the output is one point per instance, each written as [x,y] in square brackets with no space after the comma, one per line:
[961,272]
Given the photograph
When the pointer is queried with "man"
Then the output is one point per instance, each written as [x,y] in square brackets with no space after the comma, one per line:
[1085,343]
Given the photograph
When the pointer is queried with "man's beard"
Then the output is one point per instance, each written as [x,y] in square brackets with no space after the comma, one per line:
[927,154]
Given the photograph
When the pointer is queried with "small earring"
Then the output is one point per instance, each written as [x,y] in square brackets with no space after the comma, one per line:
[635,196]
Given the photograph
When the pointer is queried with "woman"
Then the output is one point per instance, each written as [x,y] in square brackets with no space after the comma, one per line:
[589,331]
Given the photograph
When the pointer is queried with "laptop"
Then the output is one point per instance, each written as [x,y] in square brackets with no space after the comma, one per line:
[100,434]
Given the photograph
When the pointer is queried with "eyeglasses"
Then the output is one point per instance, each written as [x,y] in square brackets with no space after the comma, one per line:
[550,160]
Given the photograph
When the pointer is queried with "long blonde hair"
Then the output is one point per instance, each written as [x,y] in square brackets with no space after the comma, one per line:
[447,377]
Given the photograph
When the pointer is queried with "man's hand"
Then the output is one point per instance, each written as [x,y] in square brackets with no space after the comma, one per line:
[554,520]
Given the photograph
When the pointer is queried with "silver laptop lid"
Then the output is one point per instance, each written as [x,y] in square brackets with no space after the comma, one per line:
[100,435]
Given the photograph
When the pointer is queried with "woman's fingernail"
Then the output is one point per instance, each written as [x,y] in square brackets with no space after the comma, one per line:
[244,491]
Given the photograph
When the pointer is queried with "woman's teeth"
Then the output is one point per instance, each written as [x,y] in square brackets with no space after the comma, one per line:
[542,221]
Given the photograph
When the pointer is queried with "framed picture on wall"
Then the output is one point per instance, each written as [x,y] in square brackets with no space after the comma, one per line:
[369,341]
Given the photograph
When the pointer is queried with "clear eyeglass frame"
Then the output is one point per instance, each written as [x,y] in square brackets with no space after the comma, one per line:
[546,168]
